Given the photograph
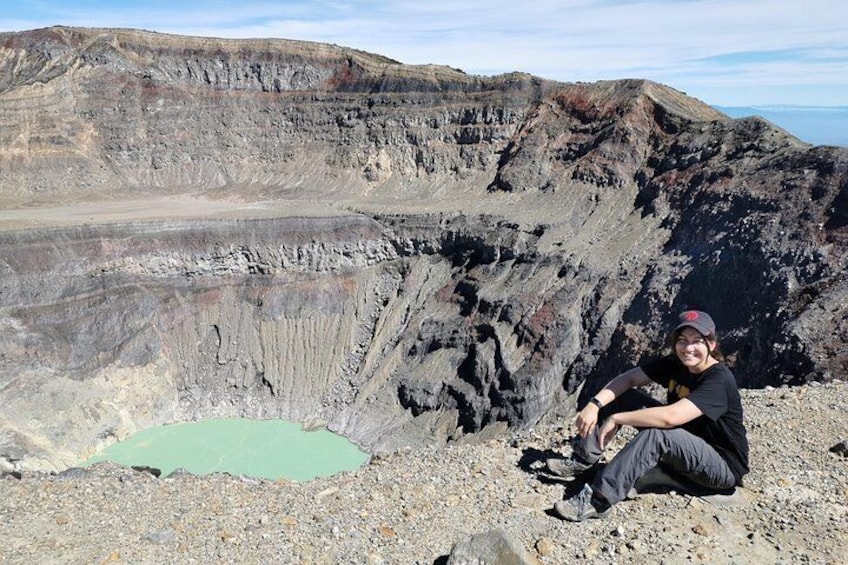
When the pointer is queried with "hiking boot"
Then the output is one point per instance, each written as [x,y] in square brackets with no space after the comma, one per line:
[567,467]
[579,507]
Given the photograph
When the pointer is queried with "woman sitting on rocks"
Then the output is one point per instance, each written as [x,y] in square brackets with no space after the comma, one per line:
[698,434]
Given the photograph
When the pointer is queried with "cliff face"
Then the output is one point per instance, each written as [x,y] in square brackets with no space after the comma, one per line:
[409,254]
[88,112]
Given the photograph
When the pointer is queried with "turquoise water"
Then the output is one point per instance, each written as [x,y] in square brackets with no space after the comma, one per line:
[269,449]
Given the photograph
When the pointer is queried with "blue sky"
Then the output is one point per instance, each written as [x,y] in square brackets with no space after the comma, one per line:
[724,52]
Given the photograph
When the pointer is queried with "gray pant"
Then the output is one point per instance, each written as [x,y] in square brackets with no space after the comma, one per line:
[675,449]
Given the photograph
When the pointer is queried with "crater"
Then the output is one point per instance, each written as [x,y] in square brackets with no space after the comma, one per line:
[409,254]
[110,329]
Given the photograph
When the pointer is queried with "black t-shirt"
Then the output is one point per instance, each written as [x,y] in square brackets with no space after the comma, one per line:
[715,394]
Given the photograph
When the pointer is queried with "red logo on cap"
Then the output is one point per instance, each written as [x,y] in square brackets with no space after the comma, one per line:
[690,316]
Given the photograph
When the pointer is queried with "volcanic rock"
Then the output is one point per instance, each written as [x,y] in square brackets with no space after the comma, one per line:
[197,227]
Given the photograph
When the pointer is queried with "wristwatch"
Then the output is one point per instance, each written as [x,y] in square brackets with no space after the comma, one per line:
[596,402]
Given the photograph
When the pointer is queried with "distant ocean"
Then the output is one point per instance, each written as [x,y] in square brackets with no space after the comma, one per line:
[819,125]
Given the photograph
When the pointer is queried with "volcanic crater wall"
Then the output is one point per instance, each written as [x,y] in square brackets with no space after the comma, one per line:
[88,111]
[483,247]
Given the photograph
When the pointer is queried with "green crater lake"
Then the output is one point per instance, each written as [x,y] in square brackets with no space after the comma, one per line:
[269,449]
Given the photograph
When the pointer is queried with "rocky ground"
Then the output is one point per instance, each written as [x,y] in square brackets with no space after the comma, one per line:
[413,506]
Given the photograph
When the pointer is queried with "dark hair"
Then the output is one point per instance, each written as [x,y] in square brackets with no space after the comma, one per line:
[715,352]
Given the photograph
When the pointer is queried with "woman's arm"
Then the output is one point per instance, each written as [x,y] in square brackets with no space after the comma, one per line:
[587,418]
[630,378]
[670,416]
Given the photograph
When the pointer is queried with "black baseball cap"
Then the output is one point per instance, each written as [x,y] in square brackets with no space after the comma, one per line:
[699,321]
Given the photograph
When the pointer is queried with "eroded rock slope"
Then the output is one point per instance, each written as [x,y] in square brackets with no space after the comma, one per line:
[408,254]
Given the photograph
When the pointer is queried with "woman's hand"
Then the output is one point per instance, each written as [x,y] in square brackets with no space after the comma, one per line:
[607,432]
[586,420]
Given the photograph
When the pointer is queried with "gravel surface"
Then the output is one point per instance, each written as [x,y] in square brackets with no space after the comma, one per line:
[412,506]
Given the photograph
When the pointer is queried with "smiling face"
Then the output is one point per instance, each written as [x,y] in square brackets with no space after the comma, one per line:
[693,350]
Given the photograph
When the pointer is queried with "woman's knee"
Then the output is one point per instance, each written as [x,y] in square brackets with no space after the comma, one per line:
[651,435]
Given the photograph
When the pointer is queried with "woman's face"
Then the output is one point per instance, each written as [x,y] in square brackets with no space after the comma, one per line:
[693,350]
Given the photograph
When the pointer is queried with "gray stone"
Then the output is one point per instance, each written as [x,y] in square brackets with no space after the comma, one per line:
[494,547]
[162,537]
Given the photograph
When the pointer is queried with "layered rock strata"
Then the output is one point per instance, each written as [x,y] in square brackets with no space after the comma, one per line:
[408,254]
